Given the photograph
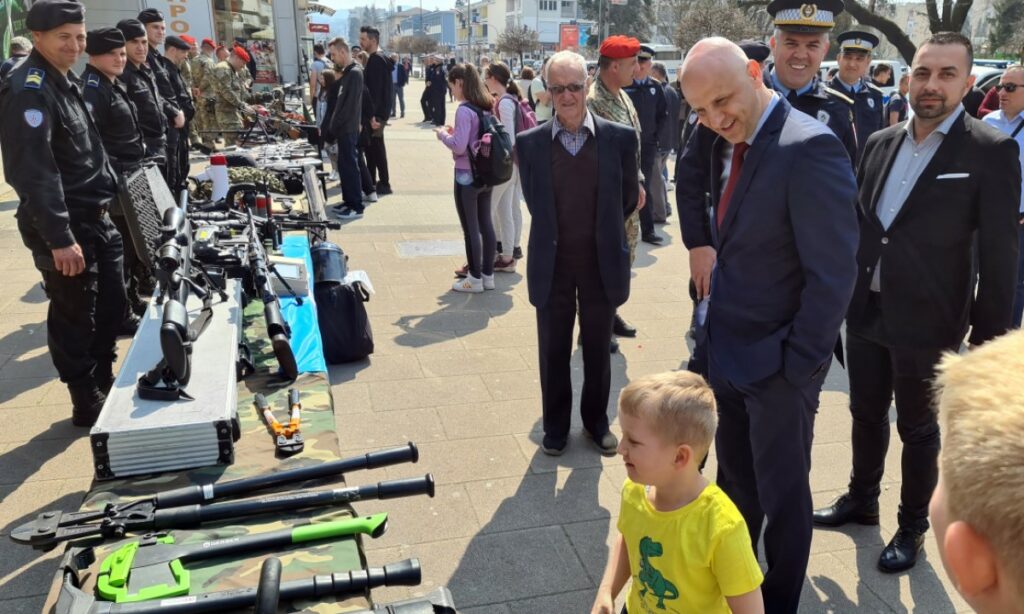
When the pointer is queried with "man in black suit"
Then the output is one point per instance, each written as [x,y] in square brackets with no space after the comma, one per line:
[580,181]
[927,188]
[783,227]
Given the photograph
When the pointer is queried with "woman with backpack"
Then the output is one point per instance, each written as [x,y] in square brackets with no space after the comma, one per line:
[473,202]
[507,214]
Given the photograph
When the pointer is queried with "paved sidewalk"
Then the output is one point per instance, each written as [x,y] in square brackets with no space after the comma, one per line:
[510,530]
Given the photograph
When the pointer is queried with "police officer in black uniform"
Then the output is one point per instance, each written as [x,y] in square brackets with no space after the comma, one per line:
[425,99]
[140,82]
[438,92]
[117,121]
[65,184]
[175,52]
[649,100]
[799,44]
[153,21]
[868,98]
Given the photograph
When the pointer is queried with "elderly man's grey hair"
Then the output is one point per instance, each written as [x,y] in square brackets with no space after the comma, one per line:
[20,44]
[567,57]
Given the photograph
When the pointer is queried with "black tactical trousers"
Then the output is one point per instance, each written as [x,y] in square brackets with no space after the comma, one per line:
[172,170]
[87,309]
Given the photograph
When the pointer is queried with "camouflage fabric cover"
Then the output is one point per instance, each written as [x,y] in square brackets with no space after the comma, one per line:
[254,454]
[243,174]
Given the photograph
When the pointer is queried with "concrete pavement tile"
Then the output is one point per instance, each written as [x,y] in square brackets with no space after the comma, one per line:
[389,396]
[579,453]
[468,362]
[19,338]
[641,368]
[416,520]
[515,317]
[542,500]
[489,419]
[376,368]
[830,589]
[576,601]
[49,459]
[660,349]
[351,398]
[925,588]
[456,320]
[391,428]
[48,422]
[493,608]
[503,567]
[393,339]
[503,337]
[509,385]
[25,605]
[654,294]
[592,540]
[832,424]
[26,572]
[21,503]
[35,364]
[830,466]
[452,462]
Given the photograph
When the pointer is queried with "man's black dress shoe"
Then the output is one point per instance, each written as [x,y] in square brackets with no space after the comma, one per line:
[901,553]
[652,238]
[847,509]
[622,328]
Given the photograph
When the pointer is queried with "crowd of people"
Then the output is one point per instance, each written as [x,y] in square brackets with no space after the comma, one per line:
[804,206]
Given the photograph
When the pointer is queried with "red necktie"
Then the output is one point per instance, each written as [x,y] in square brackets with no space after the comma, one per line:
[738,151]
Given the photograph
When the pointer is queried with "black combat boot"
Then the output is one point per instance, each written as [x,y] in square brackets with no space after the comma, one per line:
[87,401]
[103,375]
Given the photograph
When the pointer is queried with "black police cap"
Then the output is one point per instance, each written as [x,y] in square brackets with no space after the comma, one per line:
[177,43]
[151,16]
[103,40]
[646,53]
[49,14]
[131,28]
[755,50]
[805,15]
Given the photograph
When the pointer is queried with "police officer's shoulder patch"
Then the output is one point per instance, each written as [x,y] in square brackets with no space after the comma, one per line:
[34,79]
[34,117]
[871,103]
[823,116]
[837,94]
[93,80]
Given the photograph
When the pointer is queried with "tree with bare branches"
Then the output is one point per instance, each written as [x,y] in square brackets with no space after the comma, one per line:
[518,41]
[699,19]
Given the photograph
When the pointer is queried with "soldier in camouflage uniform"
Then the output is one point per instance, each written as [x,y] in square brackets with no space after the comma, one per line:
[202,70]
[229,95]
[607,100]
[188,76]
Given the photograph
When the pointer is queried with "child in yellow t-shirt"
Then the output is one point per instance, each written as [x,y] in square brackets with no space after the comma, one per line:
[681,539]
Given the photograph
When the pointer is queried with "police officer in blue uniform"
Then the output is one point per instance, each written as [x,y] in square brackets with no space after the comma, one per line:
[868,98]
[65,184]
[799,44]
[649,100]
[117,121]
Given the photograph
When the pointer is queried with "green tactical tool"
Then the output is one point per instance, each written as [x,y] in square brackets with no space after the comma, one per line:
[154,567]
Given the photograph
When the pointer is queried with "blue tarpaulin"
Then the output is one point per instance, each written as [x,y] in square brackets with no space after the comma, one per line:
[306,343]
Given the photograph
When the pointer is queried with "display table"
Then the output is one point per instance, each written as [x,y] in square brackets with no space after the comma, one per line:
[254,454]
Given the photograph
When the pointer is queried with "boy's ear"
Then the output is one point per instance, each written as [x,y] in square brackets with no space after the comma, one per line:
[684,455]
[970,559]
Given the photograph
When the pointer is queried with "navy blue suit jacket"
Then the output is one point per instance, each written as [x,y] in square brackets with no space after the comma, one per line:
[618,191]
[786,252]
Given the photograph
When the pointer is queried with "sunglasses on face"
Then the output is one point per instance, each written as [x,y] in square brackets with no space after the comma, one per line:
[1009,87]
[558,90]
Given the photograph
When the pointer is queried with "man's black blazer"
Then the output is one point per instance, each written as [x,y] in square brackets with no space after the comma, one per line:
[971,188]
[617,193]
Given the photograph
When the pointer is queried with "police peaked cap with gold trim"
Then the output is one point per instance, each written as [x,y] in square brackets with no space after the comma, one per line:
[805,15]
[857,40]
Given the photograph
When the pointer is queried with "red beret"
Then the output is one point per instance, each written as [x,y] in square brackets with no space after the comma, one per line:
[242,53]
[209,41]
[188,39]
[618,47]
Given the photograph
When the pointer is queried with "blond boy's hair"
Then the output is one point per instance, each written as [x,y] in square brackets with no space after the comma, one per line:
[679,404]
[981,400]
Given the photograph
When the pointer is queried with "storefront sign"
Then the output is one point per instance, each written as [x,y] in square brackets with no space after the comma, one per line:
[322,28]
[183,17]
